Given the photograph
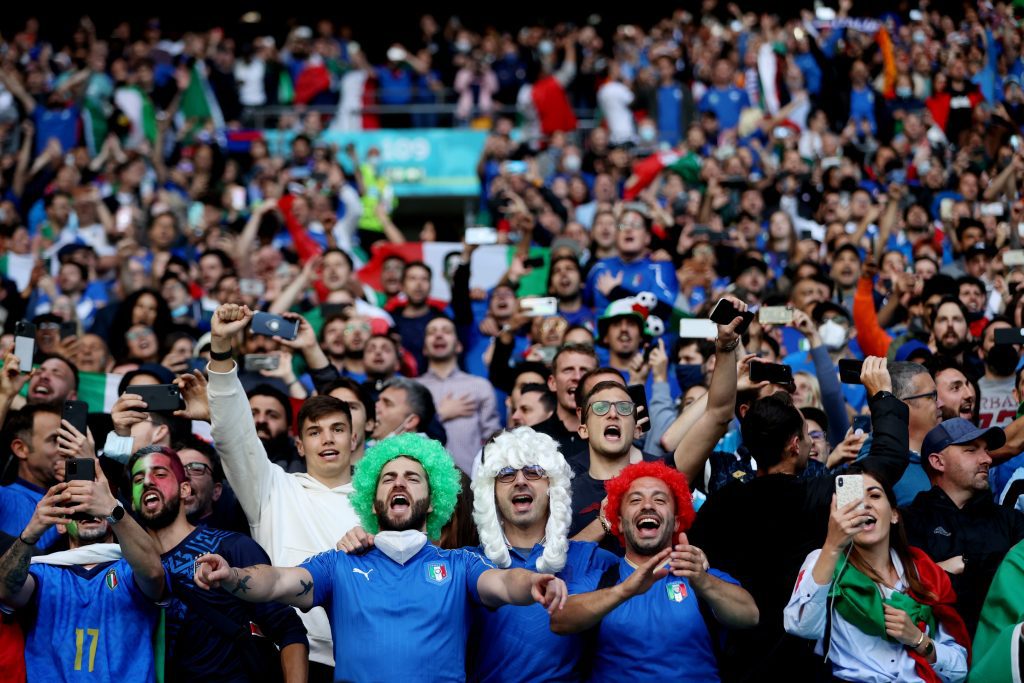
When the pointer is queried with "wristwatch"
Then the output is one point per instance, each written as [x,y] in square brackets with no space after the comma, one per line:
[116,515]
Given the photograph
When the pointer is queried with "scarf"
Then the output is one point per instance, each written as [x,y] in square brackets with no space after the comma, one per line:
[859,602]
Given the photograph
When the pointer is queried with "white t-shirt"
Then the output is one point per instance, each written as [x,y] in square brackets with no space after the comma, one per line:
[614,99]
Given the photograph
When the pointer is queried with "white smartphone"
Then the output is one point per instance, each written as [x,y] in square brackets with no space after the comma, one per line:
[251,287]
[1013,257]
[25,344]
[849,487]
[237,198]
[775,315]
[478,236]
[697,328]
[539,306]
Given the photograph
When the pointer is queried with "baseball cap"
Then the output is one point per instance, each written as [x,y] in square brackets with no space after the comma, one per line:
[956,431]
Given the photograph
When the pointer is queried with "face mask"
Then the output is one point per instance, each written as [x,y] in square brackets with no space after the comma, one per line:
[546,47]
[975,316]
[689,375]
[1002,359]
[648,133]
[463,46]
[833,335]
[919,37]
[571,163]
[180,311]
[917,326]
[400,546]
[373,162]
[904,91]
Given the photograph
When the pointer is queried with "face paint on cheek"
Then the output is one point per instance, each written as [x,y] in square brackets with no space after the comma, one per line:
[72,529]
[138,486]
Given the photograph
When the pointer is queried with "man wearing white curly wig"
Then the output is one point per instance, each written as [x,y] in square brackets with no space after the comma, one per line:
[522,509]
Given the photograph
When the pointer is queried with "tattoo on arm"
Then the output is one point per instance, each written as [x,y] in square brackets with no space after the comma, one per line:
[306,587]
[241,584]
[14,567]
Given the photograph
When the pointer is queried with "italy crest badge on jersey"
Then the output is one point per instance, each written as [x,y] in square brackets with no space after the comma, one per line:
[676,591]
[111,579]
[437,572]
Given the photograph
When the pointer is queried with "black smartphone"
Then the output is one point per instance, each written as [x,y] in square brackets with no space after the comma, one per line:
[776,373]
[724,313]
[862,423]
[77,413]
[25,344]
[328,311]
[536,262]
[638,395]
[80,469]
[270,325]
[159,398]
[1005,335]
[849,370]
[68,329]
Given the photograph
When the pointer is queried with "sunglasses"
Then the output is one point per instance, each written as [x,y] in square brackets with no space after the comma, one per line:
[507,475]
[623,408]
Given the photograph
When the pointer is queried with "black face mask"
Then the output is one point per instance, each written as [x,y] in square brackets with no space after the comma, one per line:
[1002,359]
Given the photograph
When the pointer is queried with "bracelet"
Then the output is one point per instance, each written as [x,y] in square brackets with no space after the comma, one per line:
[919,641]
[727,349]
[31,545]
[219,355]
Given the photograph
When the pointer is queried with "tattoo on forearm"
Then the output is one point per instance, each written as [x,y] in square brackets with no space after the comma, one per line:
[242,586]
[306,587]
[14,567]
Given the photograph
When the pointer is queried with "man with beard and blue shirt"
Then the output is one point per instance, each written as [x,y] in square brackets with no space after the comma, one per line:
[210,634]
[400,610]
[89,612]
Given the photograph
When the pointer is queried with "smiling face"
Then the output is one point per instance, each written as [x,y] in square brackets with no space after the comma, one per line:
[883,516]
[156,491]
[403,496]
[326,444]
[53,382]
[648,516]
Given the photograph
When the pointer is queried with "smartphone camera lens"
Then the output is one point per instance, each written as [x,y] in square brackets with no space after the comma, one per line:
[273,326]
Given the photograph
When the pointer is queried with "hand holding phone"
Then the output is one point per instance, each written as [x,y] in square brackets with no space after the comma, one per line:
[776,373]
[25,344]
[849,370]
[849,487]
[725,312]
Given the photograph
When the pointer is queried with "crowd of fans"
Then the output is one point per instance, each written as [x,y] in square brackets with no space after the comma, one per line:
[596,483]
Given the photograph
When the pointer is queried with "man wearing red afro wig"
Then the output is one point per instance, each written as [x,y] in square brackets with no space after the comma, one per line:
[640,630]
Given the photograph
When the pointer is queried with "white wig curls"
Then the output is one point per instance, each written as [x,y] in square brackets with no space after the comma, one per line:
[519,448]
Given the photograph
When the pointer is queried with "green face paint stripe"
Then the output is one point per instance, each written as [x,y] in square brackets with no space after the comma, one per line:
[137,487]
[72,529]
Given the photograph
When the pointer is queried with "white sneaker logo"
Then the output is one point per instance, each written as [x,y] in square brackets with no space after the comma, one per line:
[360,571]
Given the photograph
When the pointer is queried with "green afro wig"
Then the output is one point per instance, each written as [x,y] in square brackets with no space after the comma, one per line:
[442,476]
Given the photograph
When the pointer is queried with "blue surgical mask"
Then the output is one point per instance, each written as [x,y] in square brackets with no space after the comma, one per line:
[904,91]
[180,311]
[689,376]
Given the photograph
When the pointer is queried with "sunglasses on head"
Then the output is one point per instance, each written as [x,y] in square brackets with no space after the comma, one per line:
[507,475]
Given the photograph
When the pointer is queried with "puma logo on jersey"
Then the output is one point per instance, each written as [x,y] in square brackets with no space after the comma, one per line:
[360,571]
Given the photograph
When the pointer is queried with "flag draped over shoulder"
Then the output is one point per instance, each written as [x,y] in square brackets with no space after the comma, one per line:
[997,640]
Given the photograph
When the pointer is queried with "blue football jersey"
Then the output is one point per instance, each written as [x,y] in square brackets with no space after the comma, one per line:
[89,625]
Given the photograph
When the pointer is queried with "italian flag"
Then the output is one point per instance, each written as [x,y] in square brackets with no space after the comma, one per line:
[647,169]
[138,108]
[99,390]
[997,640]
[487,267]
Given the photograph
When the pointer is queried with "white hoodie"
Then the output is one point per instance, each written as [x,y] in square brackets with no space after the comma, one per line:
[293,516]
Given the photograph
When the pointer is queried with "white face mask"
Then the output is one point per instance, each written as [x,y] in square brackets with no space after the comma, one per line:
[400,546]
[571,163]
[833,335]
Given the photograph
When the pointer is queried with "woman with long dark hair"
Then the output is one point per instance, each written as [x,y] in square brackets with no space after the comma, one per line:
[880,609]
[142,309]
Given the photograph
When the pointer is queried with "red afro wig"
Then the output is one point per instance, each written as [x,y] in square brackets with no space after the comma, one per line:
[674,479]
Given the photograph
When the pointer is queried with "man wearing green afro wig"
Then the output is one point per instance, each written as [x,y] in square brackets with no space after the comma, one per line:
[399,611]
[442,477]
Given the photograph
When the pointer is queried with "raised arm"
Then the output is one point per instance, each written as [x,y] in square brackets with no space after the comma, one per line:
[695,448]
[245,461]
[296,287]
[259,583]
[16,584]
[139,548]
[584,610]
[890,443]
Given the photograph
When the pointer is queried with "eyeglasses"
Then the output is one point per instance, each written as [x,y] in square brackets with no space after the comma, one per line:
[198,469]
[132,336]
[357,327]
[623,408]
[631,225]
[931,395]
[508,475]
